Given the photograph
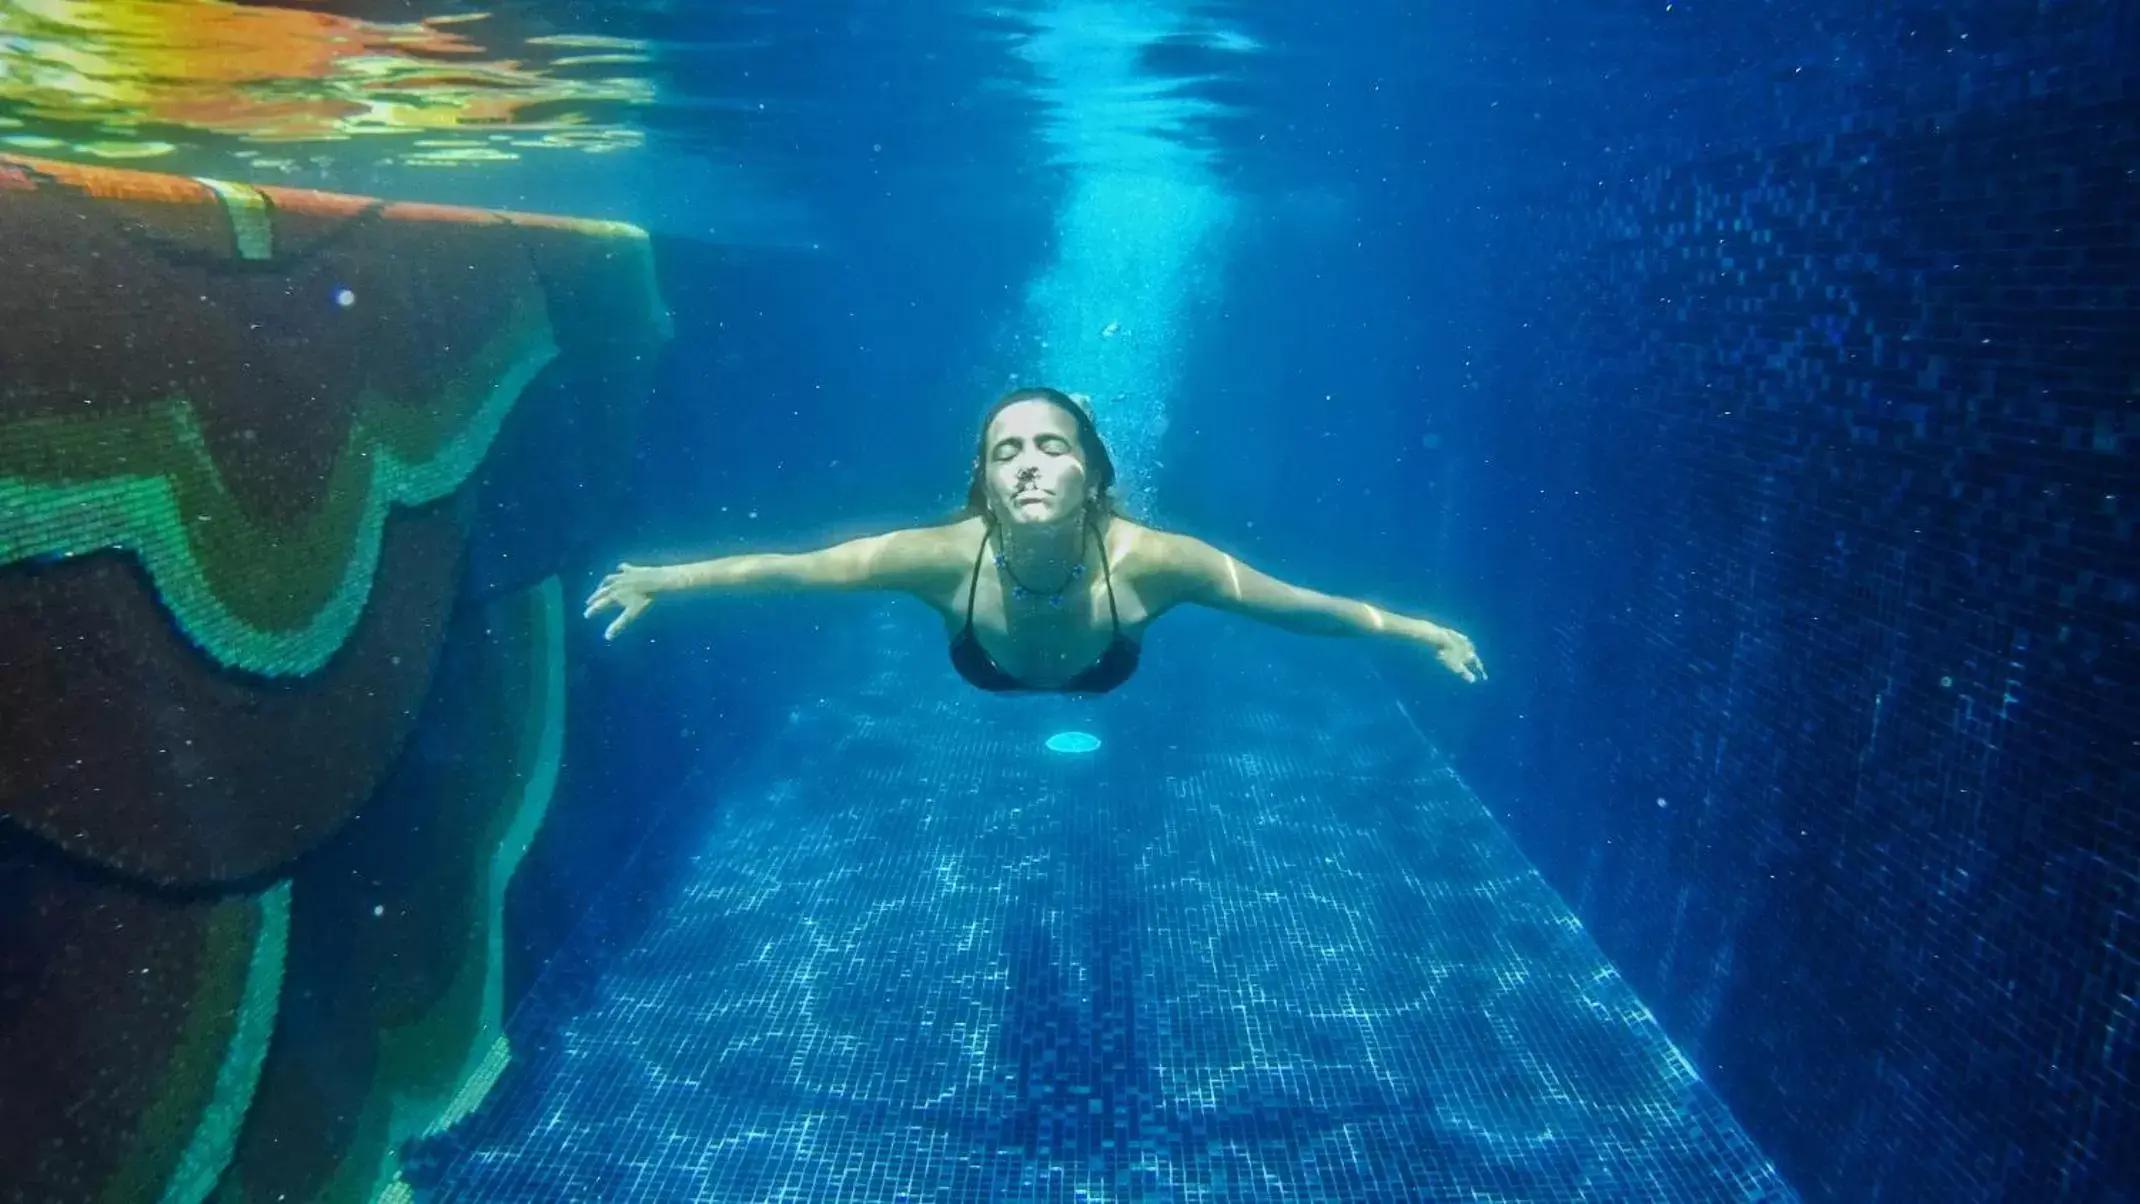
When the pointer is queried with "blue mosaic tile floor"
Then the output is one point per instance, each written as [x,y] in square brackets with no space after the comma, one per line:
[1260,945]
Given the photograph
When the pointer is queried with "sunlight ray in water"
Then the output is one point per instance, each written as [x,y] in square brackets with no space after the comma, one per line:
[1141,233]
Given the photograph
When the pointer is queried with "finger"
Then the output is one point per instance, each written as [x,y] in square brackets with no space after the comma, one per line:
[631,611]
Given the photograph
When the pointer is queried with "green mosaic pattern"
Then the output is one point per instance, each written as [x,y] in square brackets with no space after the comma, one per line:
[250,227]
[276,601]
[215,1137]
[537,759]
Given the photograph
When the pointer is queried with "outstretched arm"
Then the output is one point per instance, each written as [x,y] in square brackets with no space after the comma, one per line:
[1204,575]
[912,561]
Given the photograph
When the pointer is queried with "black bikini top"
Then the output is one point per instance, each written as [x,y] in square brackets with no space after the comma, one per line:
[973,662]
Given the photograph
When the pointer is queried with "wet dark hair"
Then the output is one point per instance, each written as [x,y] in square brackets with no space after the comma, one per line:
[1099,466]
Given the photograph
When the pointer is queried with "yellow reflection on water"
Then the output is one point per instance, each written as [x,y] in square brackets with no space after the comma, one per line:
[136,79]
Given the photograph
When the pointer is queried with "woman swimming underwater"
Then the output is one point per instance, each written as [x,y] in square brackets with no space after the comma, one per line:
[1042,586]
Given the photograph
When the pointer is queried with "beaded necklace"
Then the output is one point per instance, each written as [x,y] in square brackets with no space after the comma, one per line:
[1021,591]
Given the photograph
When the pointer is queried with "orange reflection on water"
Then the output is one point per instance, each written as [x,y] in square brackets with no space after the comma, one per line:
[132,78]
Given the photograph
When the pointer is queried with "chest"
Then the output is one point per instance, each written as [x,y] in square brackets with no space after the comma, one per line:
[1044,644]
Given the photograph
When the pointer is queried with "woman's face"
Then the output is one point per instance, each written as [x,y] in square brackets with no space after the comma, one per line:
[1034,466]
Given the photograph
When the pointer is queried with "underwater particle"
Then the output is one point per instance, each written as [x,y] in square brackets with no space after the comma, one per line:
[1073,742]
[1660,802]
[344,298]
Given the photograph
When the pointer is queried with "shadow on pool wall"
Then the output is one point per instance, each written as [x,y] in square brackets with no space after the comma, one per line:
[1787,489]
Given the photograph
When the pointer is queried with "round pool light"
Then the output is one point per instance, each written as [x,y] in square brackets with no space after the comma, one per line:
[1073,742]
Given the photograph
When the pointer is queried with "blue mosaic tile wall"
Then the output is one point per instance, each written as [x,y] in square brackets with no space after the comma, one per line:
[1807,466]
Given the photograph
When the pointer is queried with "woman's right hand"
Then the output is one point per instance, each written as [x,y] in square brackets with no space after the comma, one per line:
[630,589]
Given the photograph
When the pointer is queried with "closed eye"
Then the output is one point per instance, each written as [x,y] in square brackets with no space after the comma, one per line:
[1054,445]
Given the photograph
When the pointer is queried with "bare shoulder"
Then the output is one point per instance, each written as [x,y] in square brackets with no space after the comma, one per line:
[928,551]
[928,562]
[1164,565]
[1138,548]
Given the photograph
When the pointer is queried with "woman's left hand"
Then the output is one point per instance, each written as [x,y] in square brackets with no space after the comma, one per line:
[1453,649]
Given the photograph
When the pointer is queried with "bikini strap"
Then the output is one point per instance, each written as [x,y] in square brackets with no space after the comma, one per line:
[1114,615]
[974,586]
